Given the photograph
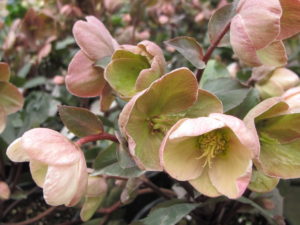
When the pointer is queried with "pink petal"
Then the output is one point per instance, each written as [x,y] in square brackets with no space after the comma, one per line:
[49,147]
[83,79]
[93,38]
[273,55]
[4,191]
[16,152]
[2,119]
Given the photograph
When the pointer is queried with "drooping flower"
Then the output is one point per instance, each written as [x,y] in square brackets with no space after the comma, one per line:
[213,153]
[11,100]
[278,129]
[275,82]
[259,27]
[56,165]
[148,116]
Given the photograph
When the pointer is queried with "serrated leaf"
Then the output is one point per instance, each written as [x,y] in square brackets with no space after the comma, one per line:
[80,121]
[190,49]
[218,22]
[169,215]
[229,91]
[116,170]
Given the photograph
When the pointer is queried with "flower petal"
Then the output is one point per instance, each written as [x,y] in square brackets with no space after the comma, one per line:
[49,147]
[230,173]
[290,20]
[262,183]
[16,152]
[93,38]
[38,172]
[65,184]
[245,135]
[204,185]
[279,159]
[261,20]
[2,119]
[10,97]
[273,55]
[83,78]
[174,155]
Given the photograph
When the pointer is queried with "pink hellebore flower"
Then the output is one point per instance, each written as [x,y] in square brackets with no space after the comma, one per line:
[96,43]
[260,26]
[213,153]
[277,126]
[56,165]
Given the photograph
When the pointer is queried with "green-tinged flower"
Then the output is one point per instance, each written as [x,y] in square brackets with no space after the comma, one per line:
[213,153]
[278,129]
[260,182]
[148,116]
[275,82]
[134,68]
[11,100]
[96,191]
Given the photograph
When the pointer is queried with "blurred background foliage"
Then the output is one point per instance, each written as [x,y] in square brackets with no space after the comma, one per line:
[36,41]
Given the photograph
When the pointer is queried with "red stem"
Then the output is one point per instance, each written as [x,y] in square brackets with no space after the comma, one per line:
[212,47]
[96,137]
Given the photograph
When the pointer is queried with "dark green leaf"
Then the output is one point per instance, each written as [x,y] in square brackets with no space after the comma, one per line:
[80,121]
[106,157]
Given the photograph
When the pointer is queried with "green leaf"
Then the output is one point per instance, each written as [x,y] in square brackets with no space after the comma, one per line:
[124,158]
[190,49]
[80,121]
[106,157]
[218,22]
[116,170]
[229,91]
[170,214]
[268,215]
[37,81]
[249,102]
[213,70]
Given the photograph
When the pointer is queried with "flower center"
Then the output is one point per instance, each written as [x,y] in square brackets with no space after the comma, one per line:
[163,123]
[212,144]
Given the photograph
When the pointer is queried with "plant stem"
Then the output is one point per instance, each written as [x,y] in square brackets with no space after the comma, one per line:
[96,137]
[211,48]
[156,189]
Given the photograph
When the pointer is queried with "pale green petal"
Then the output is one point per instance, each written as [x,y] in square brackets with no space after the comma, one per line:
[38,172]
[261,182]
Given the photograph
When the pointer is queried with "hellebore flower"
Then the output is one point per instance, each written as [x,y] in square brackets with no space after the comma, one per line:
[213,153]
[133,70]
[96,191]
[258,28]
[278,130]
[276,82]
[148,116]
[292,98]
[84,79]
[11,100]
[56,165]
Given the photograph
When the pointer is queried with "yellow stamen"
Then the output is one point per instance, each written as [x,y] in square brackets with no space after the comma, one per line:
[212,144]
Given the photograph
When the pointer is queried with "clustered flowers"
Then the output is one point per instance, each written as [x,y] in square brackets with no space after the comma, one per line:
[169,123]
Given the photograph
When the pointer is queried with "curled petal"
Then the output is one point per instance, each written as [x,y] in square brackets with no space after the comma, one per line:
[273,55]
[83,78]
[16,152]
[292,98]
[49,147]
[244,134]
